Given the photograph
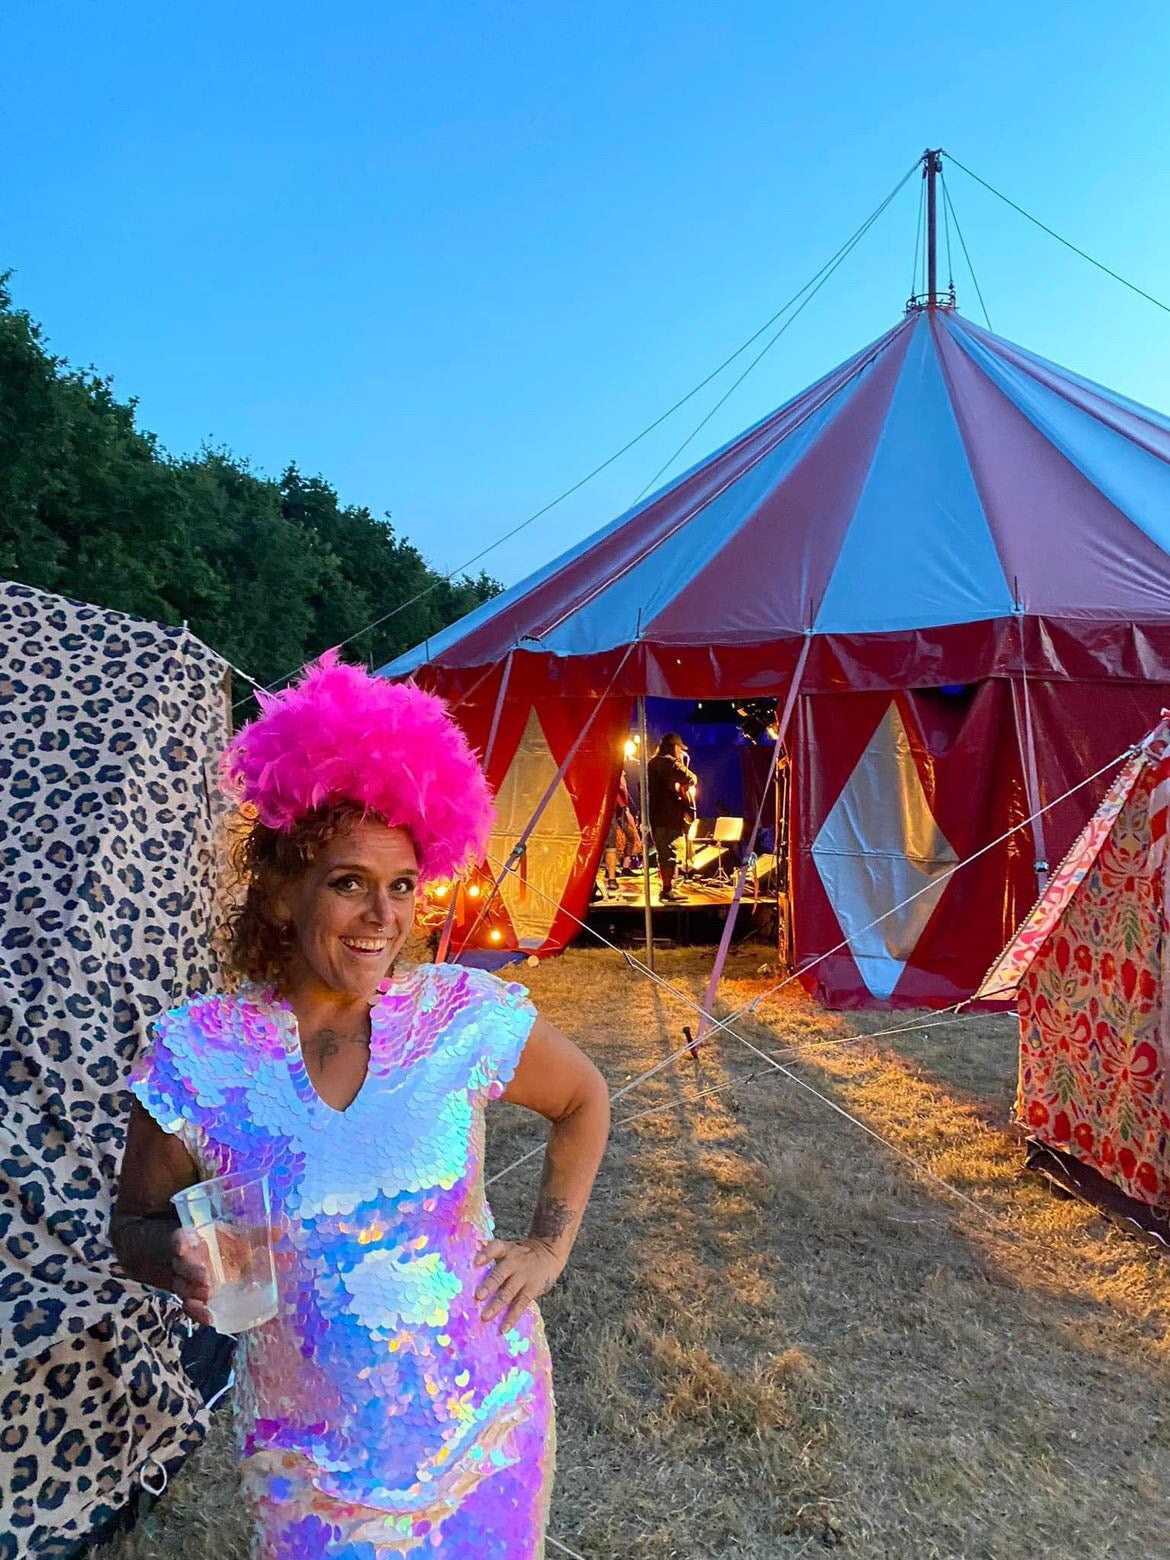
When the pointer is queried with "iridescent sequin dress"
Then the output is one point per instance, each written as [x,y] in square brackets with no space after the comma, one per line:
[377,1415]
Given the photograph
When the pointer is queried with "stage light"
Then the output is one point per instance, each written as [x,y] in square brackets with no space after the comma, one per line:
[495,935]
[474,891]
[630,750]
[757,719]
[441,890]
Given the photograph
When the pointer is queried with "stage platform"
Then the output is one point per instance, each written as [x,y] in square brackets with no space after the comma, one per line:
[697,893]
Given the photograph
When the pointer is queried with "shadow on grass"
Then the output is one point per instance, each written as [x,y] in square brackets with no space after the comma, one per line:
[1007,1389]
[690,1419]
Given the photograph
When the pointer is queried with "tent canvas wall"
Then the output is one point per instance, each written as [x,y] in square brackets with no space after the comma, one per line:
[944,510]
[111,729]
[525,744]
[1090,970]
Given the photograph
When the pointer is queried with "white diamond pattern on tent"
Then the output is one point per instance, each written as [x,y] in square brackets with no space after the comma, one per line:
[879,845]
[533,892]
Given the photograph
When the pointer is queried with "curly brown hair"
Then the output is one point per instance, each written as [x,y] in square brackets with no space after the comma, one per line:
[261,861]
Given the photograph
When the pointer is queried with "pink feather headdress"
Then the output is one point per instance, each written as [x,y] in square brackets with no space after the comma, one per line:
[340,735]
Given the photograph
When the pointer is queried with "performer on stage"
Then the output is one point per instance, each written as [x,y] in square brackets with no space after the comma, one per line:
[400,1402]
[624,840]
[671,803]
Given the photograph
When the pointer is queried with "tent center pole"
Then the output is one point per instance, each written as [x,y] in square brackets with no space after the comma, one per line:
[1027,741]
[931,168]
[781,951]
[644,786]
[781,729]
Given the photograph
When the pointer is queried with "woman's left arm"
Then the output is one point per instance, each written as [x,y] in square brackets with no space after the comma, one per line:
[558,1081]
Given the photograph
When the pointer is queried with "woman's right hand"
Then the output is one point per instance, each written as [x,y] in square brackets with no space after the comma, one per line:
[192,1275]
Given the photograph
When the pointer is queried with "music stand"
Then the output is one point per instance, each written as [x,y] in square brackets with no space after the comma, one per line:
[728,831]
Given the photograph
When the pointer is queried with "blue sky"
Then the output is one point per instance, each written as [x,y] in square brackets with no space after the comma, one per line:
[451,256]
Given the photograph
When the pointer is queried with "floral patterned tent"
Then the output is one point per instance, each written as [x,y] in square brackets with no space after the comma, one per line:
[1090,969]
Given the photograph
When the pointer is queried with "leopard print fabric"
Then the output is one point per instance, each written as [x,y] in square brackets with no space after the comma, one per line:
[110,729]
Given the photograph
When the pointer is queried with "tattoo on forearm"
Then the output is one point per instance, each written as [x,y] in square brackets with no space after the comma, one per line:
[551,1218]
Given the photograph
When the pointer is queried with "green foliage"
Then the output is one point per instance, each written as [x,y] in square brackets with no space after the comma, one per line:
[267,572]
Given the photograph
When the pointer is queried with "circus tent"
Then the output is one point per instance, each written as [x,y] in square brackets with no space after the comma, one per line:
[949,557]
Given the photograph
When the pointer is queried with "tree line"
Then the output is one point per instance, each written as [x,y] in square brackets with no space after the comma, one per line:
[267,571]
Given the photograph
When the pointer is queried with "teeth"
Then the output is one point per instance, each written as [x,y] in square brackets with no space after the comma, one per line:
[366,947]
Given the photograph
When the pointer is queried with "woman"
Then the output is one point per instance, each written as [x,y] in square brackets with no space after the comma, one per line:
[624,840]
[401,1400]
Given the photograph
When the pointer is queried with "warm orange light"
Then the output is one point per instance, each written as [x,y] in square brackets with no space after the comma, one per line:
[473,891]
[495,935]
[441,890]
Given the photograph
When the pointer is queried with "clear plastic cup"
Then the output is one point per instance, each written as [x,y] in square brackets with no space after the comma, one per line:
[232,1217]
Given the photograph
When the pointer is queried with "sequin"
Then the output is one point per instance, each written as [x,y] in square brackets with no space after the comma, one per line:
[378,1415]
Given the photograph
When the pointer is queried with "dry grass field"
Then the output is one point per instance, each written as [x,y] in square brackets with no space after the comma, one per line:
[779,1338]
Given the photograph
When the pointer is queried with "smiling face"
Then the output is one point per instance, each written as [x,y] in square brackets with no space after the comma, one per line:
[351,909]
